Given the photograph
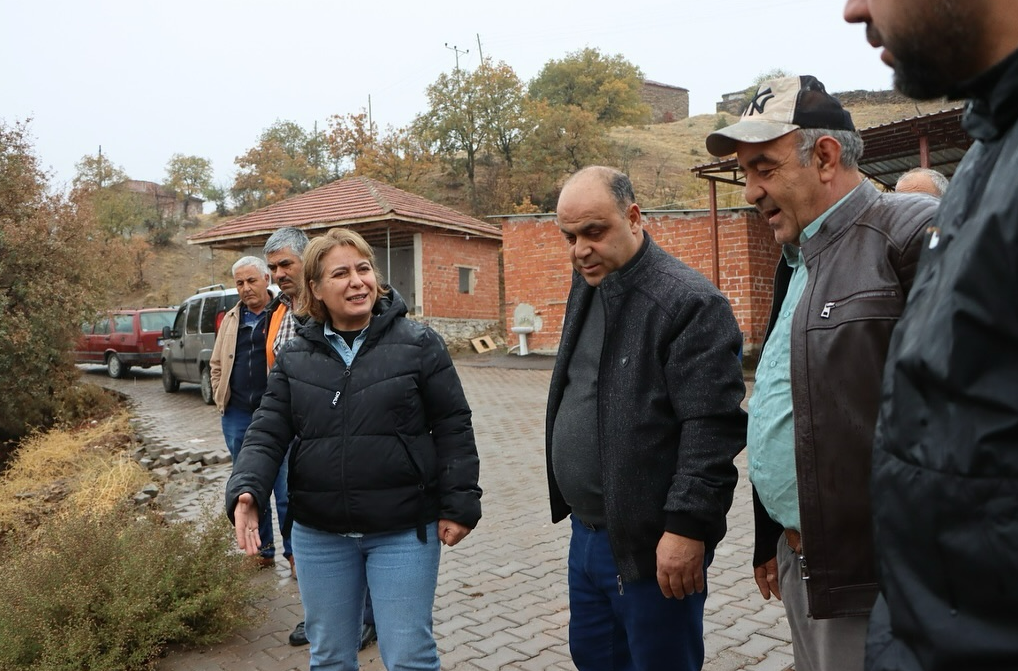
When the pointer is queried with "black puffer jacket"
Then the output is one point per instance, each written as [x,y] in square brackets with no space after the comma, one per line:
[386,444]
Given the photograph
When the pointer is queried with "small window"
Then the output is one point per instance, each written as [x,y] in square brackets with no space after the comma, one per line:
[193,315]
[102,327]
[467,280]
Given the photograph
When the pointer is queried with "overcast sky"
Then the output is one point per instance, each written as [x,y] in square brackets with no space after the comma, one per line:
[147,79]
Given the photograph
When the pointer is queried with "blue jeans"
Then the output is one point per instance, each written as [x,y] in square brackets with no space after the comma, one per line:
[235,423]
[333,572]
[638,630]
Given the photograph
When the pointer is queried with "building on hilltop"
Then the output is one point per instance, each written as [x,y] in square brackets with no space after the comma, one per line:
[667,103]
[167,202]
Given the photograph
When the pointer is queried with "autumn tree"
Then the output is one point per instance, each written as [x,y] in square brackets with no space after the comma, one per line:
[96,172]
[350,136]
[119,212]
[500,99]
[606,86]
[454,124]
[399,157]
[563,139]
[189,176]
[57,271]
[286,161]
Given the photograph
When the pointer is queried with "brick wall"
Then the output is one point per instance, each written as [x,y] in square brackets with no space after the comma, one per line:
[537,269]
[443,255]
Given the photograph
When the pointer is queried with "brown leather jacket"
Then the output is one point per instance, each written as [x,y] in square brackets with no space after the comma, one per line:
[860,268]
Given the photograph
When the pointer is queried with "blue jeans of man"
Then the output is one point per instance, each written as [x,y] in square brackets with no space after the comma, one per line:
[235,423]
[333,572]
[634,628]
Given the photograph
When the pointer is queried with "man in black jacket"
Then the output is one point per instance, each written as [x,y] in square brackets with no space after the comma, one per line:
[945,458]
[643,424]
[848,259]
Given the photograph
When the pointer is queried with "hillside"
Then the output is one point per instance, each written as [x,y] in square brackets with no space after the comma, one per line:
[657,157]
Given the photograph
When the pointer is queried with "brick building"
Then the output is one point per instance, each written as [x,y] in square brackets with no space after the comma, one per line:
[538,273]
[667,103]
[169,203]
[444,263]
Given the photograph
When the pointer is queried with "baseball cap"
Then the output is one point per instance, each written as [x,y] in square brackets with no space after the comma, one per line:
[779,107]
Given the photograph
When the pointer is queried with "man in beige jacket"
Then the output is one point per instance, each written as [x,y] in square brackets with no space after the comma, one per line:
[239,374]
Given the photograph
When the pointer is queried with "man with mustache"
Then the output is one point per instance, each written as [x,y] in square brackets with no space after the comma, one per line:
[945,455]
[848,258]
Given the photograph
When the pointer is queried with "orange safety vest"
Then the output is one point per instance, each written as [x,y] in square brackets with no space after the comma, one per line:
[277,319]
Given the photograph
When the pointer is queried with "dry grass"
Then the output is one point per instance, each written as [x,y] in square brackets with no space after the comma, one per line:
[85,468]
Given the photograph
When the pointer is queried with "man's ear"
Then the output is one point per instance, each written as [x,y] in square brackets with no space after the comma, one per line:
[828,154]
[634,216]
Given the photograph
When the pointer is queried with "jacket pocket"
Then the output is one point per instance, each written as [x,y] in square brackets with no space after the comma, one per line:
[862,305]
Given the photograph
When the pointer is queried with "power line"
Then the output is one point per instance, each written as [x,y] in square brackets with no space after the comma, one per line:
[457,52]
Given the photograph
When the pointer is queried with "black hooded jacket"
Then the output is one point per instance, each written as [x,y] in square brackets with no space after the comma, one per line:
[386,444]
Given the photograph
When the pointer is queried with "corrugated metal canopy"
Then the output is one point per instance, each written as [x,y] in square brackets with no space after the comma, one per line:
[933,140]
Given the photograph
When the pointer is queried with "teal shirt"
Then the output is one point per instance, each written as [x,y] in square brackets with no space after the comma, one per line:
[770,435]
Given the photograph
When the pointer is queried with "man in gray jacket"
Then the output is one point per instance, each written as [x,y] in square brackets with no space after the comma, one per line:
[643,424]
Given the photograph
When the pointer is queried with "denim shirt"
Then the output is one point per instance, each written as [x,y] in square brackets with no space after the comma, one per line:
[346,352]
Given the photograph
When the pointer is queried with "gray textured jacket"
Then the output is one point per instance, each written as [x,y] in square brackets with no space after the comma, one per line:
[669,421]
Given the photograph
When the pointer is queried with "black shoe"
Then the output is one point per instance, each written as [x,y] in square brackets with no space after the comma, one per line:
[297,636]
[368,635]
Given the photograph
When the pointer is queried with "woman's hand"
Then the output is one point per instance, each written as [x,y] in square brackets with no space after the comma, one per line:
[245,523]
[450,532]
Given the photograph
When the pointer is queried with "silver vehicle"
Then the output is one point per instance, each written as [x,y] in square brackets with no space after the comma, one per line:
[187,345]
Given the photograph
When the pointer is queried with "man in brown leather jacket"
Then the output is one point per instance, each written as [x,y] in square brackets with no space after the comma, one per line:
[849,256]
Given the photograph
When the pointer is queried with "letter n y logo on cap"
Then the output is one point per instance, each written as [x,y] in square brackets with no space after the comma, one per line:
[759,101]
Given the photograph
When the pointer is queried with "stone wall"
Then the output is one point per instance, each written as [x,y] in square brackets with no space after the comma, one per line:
[667,103]
[458,333]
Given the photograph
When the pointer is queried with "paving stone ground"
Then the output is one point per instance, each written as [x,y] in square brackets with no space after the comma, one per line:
[502,600]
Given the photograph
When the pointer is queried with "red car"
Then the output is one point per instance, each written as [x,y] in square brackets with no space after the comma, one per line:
[124,338]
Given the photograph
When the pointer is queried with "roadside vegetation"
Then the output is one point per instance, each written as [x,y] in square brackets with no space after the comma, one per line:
[91,581]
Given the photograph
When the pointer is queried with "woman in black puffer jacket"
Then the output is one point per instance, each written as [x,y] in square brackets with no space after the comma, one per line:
[385,466]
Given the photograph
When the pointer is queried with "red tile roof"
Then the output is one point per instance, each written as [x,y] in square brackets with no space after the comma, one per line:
[344,202]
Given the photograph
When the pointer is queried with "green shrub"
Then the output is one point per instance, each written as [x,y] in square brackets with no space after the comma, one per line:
[107,591]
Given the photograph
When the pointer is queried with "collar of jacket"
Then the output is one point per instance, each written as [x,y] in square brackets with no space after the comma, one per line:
[387,309]
[839,221]
[993,100]
[623,279]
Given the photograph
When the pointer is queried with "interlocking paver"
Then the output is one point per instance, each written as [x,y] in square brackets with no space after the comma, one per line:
[502,601]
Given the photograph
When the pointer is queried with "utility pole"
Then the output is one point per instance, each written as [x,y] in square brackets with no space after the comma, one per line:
[371,128]
[100,166]
[457,52]
[480,51]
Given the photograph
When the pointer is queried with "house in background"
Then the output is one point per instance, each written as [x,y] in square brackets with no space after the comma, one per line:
[444,263]
[667,103]
[167,202]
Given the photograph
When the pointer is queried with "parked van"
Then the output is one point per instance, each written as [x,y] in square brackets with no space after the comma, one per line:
[187,344]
